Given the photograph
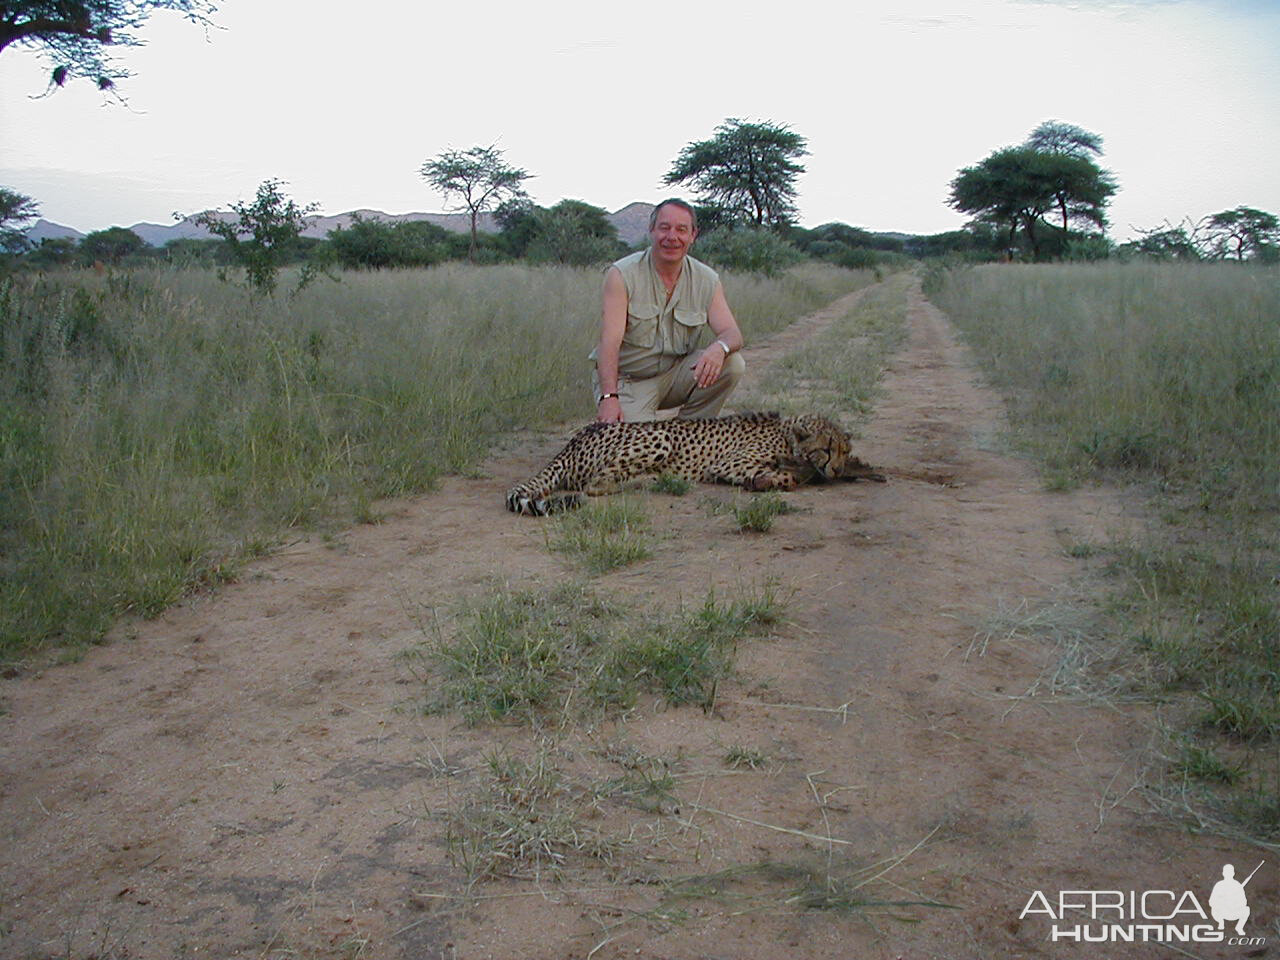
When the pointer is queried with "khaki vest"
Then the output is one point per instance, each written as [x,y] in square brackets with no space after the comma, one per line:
[661,331]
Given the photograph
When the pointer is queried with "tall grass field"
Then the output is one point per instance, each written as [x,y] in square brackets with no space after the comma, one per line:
[157,427]
[1168,377]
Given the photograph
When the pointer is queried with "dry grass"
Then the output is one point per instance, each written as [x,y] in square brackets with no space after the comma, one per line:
[158,427]
[1166,377]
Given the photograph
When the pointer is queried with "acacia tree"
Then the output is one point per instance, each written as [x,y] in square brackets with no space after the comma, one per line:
[1168,242]
[747,171]
[75,35]
[1054,136]
[479,177]
[1015,187]
[16,211]
[262,234]
[1079,184]
[111,245]
[1241,232]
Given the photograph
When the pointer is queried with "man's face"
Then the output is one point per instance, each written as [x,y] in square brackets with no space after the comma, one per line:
[672,234]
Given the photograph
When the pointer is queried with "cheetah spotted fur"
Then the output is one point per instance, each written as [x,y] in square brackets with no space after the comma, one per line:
[758,451]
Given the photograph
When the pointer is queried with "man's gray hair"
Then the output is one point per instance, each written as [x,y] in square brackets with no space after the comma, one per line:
[673,202]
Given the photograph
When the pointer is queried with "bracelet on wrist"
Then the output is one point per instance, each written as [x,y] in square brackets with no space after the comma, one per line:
[607,396]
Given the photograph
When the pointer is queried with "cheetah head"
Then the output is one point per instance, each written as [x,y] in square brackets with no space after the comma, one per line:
[819,445]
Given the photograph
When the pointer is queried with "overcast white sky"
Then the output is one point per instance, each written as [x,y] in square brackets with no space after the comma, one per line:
[345,101]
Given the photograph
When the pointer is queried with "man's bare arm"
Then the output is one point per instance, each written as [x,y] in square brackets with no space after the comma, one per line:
[706,370]
[613,324]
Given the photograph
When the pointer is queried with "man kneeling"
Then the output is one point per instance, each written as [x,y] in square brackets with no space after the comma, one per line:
[656,304]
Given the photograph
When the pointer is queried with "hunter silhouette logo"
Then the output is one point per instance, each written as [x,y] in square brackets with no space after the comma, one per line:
[1228,900]
[1148,916]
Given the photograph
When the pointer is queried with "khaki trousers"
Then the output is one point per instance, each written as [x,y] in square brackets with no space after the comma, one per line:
[675,390]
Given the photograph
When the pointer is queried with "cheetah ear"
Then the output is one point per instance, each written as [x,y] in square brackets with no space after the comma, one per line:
[800,432]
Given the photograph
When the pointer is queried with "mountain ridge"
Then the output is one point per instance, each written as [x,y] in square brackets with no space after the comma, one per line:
[631,222]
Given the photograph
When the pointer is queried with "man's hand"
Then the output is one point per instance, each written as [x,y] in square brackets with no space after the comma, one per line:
[706,370]
[609,411]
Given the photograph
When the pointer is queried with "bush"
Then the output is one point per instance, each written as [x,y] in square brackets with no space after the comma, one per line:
[749,249]
[373,244]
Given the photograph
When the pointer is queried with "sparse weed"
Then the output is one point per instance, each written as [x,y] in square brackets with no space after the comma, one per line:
[526,822]
[758,513]
[672,485]
[646,782]
[738,756]
[1203,763]
[512,654]
[602,536]
[808,885]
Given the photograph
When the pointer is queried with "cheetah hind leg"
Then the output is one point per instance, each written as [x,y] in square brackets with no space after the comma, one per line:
[605,486]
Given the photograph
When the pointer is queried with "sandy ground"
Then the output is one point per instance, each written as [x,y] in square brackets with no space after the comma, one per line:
[242,778]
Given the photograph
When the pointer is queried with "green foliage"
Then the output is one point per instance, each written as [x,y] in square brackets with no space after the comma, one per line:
[52,252]
[480,178]
[373,244]
[263,236]
[747,248]
[849,247]
[195,252]
[1016,187]
[111,245]
[671,485]
[1054,136]
[74,34]
[1243,232]
[571,232]
[976,243]
[747,171]
[1165,242]
[574,233]
[16,211]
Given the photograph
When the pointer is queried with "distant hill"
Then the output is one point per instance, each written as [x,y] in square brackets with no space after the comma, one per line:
[45,230]
[632,223]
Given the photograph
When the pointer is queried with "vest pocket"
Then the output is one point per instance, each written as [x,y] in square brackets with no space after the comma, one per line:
[642,325]
[687,328]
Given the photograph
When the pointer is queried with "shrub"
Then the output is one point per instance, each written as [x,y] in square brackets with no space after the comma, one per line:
[756,251]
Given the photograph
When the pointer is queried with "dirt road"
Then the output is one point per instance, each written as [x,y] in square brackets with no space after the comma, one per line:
[242,778]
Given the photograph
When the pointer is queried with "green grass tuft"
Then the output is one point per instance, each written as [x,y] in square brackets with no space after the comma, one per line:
[513,655]
[671,485]
[758,513]
[606,534]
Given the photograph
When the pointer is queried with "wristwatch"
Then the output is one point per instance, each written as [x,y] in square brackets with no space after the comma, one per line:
[724,346]
[606,396]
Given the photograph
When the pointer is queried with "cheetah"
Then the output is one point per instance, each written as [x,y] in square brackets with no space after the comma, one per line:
[758,451]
